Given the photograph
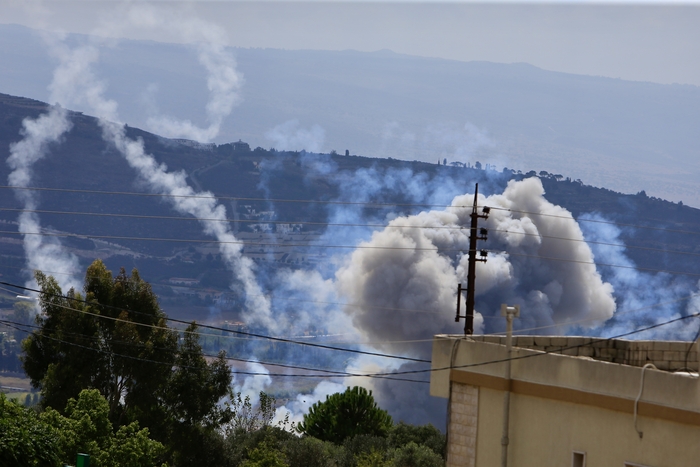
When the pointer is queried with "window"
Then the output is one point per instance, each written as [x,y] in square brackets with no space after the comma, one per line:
[578,459]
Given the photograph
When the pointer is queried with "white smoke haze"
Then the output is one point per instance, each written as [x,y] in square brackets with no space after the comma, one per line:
[305,300]
[295,410]
[644,298]
[289,136]
[455,143]
[252,385]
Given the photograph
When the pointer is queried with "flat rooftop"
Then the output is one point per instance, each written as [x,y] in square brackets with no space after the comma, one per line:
[664,355]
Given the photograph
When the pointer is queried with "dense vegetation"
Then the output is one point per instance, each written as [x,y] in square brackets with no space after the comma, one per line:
[120,385]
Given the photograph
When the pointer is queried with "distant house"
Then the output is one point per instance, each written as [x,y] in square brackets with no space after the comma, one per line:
[241,146]
[183,281]
[595,402]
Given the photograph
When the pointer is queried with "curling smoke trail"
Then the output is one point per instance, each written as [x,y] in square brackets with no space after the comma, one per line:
[223,81]
[86,89]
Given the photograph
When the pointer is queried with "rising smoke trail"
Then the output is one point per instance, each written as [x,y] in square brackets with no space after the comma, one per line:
[45,253]
[86,90]
[223,80]
[42,253]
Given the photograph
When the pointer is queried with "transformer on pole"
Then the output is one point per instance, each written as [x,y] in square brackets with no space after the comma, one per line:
[475,234]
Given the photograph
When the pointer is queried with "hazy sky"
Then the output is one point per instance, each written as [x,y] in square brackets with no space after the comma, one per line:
[656,42]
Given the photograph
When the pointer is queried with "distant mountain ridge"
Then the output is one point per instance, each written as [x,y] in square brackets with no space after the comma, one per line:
[629,136]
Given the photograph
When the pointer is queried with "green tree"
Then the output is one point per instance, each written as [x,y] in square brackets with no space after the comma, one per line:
[23,313]
[86,428]
[347,414]
[24,440]
[114,339]
[427,435]
[51,439]
[265,456]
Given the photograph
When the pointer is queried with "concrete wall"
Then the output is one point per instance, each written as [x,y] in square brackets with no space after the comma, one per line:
[561,404]
[464,413]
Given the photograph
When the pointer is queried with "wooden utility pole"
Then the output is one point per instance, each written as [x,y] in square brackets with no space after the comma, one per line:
[475,234]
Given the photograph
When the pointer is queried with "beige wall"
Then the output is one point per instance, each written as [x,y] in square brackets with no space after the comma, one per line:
[561,404]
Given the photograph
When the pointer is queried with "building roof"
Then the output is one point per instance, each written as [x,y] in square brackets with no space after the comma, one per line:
[664,355]
[578,367]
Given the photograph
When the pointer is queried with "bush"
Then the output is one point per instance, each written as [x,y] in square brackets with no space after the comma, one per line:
[311,452]
[416,455]
[426,435]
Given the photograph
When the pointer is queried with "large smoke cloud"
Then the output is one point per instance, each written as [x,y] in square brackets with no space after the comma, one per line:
[539,261]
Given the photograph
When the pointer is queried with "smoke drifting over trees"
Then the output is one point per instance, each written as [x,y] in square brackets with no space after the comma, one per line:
[392,285]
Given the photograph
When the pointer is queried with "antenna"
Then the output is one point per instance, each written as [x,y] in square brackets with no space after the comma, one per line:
[475,234]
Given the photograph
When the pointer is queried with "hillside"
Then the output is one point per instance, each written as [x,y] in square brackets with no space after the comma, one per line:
[261,179]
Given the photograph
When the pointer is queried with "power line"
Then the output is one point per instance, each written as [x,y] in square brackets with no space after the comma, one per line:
[207,326]
[547,352]
[636,268]
[18,326]
[356,203]
[216,242]
[356,247]
[383,226]
[599,221]
[230,198]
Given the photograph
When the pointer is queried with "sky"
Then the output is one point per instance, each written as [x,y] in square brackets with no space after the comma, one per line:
[640,41]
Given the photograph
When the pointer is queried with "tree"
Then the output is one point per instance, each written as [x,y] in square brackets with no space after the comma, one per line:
[344,415]
[116,340]
[416,455]
[51,439]
[427,435]
[24,440]
[86,428]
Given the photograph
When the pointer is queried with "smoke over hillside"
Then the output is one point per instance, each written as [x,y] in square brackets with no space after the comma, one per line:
[389,279]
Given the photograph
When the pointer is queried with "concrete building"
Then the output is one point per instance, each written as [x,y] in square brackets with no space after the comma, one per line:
[572,401]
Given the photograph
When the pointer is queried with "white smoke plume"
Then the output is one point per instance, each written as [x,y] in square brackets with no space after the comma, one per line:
[46,253]
[76,84]
[253,385]
[223,80]
[289,136]
[42,252]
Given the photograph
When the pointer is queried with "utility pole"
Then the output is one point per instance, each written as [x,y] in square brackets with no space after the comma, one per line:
[475,234]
